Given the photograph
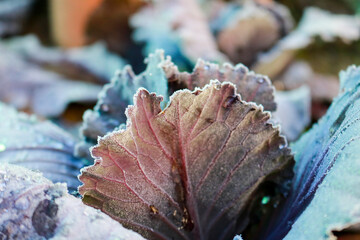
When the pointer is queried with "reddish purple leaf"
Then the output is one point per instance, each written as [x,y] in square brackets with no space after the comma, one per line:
[252,87]
[189,171]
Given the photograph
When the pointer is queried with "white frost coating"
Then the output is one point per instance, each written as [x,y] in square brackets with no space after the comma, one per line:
[22,192]
[336,203]
[86,222]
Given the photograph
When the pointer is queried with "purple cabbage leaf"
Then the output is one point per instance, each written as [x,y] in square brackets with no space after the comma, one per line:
[190,171]
[251,86]
[109,112]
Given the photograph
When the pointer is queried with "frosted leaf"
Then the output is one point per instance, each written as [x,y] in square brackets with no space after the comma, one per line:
[325,195]
[32,207]
[188,171]
[38,145]
[109,112]
[252,87]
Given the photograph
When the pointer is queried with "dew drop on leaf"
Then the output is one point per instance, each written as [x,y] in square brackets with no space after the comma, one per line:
[260,80]
[104,107]
[22,204]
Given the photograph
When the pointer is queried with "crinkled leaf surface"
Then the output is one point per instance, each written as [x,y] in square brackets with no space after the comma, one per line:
[26,85]
[32,207]
[109,112]
[93,62]
[252,87]
[172,25]
[189,171]
[38,145]
[326,193]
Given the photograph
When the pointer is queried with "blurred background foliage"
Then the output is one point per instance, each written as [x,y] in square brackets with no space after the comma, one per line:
[341,6]
[236,31]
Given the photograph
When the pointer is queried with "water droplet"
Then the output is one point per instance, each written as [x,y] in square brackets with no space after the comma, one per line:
[104,107]
[22,203]
[217,85]
[150,74]
[23,228]
[143,94]
[2,147]
[265,200]
[260,80]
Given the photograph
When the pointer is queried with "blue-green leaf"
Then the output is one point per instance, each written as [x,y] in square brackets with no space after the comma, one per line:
[326,193]
[32,207]
[38,145]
